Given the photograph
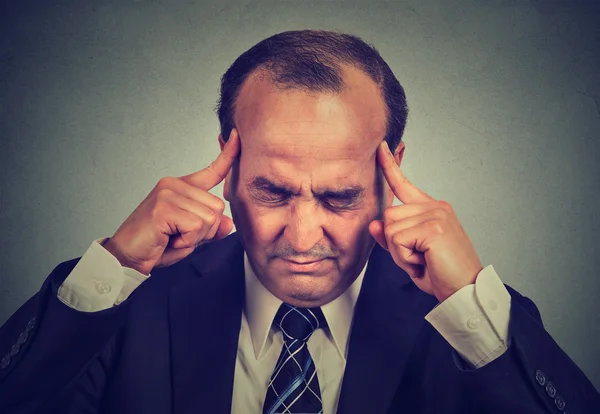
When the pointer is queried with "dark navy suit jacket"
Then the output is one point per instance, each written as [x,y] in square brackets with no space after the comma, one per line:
[171,348]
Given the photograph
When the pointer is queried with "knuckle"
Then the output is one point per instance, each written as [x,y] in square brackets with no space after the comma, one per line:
[164,182]
[213,168]
[210,167]
[199,224]
[387,230]
[219,205]
[440,214]
[213,230]
[211,218]
[397,238]
[387,215]
[164,194]
[215,171]
[445,206]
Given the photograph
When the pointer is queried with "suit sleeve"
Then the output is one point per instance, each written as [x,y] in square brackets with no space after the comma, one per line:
[99,281]
[533,376]
[474,320]
[47,347]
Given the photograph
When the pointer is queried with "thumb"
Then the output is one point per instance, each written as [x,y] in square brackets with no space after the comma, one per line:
[376,230]
[225,227]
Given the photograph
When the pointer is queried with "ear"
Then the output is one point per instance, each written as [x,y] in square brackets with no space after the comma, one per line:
[228,176]
[398,155]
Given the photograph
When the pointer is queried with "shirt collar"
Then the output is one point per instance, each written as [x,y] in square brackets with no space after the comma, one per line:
[261,306]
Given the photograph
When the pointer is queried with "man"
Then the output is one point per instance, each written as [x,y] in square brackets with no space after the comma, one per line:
[326,299]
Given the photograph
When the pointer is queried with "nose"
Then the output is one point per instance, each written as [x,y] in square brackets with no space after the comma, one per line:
[305,226]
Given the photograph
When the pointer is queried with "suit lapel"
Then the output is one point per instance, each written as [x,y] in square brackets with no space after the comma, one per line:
[388,316]
[205,316]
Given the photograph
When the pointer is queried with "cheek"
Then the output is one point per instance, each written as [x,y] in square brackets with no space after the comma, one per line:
[349,232]
[260,225]
[268,225]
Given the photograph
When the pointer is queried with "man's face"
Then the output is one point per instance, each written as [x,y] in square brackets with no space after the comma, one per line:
[307,185]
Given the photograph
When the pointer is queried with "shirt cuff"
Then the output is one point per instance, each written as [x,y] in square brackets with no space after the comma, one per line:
[98,281]
[132,279]
[474,320]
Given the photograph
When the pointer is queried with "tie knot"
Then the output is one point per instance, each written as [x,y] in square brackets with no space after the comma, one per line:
[299,323]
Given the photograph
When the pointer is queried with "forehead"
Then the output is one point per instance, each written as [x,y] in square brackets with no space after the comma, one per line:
[291,133]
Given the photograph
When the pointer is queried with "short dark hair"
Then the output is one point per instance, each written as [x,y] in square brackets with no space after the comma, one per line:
[311,60]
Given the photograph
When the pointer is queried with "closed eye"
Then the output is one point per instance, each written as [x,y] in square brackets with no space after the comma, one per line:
[266,191]
[270,196]
[343,199]
[340,203]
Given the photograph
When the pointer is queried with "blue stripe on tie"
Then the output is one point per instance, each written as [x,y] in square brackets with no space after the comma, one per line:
[295,384]
[284,357]
[299,379]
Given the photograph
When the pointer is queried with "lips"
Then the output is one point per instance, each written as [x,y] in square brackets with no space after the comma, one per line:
[301,263]
[304,266]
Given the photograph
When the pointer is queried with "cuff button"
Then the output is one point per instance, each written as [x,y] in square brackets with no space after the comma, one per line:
[102,288]
[31,324]
[23,338]
[474,322]
[540,377]
[550,390]
[14,350]
[5,361]
[560,403]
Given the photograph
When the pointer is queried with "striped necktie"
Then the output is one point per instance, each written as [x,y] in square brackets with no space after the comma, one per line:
[294,387]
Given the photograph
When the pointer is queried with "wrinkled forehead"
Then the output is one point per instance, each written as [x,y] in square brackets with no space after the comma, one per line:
[293,130]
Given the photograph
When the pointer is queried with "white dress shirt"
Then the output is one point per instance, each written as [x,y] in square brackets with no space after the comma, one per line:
[474,321]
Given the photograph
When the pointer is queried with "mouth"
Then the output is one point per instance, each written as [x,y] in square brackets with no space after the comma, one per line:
[305,262]
[306,266]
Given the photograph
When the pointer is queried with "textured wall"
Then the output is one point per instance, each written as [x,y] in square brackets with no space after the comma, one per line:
[97,102]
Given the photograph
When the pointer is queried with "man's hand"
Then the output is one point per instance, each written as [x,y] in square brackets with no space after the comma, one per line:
[178,215]
[424,236]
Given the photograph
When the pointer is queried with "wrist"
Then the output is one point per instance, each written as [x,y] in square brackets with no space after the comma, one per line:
[110,247]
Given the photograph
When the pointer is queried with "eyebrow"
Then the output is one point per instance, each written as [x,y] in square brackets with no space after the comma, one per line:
[346,193]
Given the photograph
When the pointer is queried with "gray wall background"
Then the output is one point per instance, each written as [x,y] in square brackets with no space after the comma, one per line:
[99,100]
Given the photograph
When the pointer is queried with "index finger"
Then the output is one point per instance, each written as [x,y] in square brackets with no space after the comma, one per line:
[212,175]
[402,188]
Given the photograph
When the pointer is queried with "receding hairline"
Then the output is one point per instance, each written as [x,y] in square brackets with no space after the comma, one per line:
[263,73]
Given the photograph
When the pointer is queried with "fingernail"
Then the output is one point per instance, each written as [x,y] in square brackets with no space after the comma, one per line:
[387,148]
[230,135]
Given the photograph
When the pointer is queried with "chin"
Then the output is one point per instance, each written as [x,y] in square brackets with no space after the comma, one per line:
[304,290]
